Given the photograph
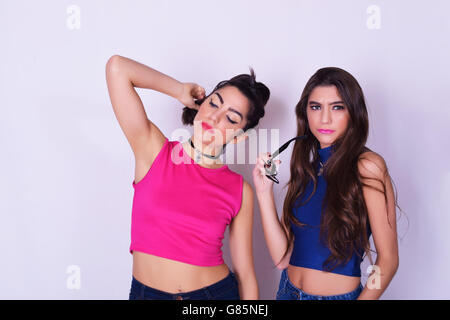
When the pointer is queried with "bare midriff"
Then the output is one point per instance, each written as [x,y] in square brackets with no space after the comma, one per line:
[173,276]
[322,283]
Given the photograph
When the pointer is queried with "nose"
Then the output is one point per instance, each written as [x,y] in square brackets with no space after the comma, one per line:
[325,115]
[215,115]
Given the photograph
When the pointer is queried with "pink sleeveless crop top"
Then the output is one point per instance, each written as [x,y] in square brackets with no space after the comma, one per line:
[181,210]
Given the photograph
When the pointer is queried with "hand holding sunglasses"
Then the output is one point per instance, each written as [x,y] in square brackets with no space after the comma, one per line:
[270,169]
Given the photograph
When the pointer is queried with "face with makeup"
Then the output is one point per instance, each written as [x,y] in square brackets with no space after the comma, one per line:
[221,118]
[328,116]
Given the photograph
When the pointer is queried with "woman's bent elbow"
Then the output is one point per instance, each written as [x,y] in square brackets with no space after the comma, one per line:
[113,63]
[282,265]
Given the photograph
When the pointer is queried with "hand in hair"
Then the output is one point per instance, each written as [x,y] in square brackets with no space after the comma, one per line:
[190,93]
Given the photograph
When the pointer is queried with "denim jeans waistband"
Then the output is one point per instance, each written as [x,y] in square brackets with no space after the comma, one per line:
[212,290]
[286,283]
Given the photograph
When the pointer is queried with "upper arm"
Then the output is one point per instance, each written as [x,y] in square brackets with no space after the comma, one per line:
[240,236]
[382,215]
[144,137]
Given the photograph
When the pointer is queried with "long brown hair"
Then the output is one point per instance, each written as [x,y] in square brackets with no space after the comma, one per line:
[344,221]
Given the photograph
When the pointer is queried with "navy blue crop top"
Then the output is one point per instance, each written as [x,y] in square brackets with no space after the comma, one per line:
[308,251]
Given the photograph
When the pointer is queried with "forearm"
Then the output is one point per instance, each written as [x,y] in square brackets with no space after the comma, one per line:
[379,279]
[248,287]
[274,233]
[142,76]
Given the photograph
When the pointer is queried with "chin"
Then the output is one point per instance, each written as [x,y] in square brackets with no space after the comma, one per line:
[202,140]
[326,141]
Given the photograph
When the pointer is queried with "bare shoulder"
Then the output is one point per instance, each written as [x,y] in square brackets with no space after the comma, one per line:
[372,165]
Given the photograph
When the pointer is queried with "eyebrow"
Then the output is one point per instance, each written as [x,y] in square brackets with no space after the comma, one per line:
[231,109]
[336,102]
[220,97]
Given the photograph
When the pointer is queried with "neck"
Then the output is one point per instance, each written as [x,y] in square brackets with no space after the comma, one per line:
[201,153]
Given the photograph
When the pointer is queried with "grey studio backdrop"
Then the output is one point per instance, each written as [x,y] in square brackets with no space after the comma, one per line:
[66,167]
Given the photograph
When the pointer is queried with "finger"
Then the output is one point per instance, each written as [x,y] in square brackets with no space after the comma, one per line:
[263,166]
[261,162]
[194,90]
[265,156]
[268,169]
[195,93]
[277,164]
[260,170]
[201,93]
[199,89]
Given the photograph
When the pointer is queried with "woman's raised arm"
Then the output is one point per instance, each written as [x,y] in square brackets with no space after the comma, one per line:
[122,75]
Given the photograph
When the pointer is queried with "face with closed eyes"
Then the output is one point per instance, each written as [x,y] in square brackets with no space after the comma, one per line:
[221,117]
[328,116]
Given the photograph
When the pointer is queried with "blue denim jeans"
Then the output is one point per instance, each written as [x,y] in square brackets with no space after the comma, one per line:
[287,291]
[225,289]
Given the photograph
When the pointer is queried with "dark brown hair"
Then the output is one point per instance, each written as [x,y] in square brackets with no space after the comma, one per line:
[344,220]
[256,92]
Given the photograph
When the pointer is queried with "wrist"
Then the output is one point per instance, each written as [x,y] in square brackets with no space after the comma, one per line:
[265,194]
[177,91]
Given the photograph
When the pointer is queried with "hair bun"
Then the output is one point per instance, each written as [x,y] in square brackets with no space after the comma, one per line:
[255,91]
[253,82]
[263,91]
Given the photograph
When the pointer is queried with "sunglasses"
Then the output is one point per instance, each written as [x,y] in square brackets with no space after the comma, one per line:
[271,170]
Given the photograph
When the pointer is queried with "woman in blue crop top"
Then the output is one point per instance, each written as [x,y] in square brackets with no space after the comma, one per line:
[339,194]
[234,106]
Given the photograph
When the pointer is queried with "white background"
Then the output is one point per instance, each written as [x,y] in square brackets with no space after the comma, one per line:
[66,168]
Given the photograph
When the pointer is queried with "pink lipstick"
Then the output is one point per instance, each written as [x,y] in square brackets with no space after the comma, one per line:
[325,131]
[206,126]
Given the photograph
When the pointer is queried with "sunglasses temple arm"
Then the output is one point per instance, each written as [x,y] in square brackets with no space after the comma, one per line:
[284,146]
[273,178]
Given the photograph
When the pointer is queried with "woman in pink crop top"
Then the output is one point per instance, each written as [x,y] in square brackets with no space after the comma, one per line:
[184,197]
